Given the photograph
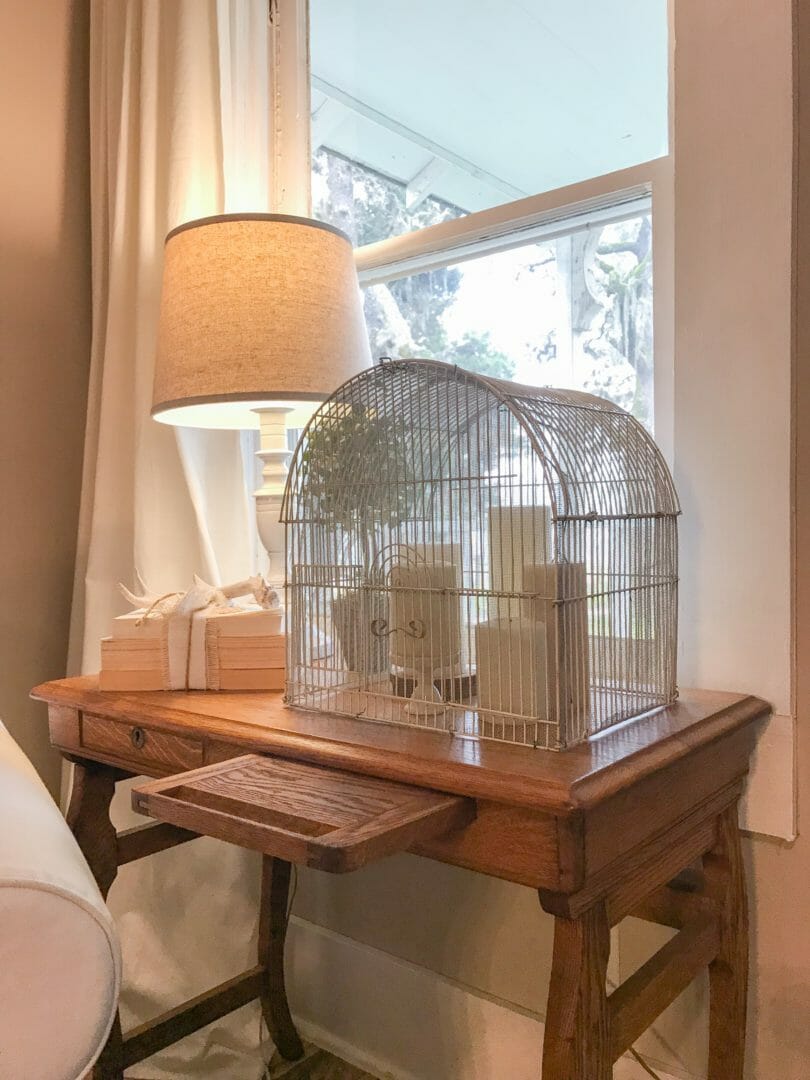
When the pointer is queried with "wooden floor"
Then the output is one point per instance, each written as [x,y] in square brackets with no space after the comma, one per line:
[319,1066]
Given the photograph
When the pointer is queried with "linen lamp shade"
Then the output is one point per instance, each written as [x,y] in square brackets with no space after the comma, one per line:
[256,310]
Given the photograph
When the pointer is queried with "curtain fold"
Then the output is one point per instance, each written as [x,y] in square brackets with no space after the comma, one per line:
[179,108]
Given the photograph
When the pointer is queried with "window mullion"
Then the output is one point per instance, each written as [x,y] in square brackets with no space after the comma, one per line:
[598,192]
[560,224]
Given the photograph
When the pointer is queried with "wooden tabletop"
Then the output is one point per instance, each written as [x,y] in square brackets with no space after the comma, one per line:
[562,781]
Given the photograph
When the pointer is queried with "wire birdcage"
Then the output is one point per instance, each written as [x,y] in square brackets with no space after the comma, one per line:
[478,557]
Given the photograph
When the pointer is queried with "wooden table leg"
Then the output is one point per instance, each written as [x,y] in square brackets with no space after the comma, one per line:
[272,934]
[88,816]
[577,1044]
[110,1062]
[728,974]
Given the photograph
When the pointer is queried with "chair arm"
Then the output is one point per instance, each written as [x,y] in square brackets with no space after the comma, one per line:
[60,961]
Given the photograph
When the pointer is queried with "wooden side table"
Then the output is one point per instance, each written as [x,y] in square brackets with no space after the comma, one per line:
[640,820]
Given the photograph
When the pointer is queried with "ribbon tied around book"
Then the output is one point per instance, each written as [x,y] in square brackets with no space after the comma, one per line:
[185,615]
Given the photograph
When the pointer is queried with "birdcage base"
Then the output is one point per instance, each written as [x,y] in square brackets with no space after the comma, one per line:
[389,700]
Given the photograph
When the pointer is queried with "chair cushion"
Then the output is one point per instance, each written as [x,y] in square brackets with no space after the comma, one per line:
[60,961]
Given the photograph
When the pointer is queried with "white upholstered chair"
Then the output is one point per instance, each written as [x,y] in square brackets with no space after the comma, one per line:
[60,963]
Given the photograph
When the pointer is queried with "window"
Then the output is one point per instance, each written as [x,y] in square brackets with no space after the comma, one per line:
[473,162]
[368,205]
[574,310]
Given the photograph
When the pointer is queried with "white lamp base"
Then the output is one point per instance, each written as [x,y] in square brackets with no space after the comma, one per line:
[274,455]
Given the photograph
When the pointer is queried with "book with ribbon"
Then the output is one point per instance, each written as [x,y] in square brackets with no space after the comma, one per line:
[201,639]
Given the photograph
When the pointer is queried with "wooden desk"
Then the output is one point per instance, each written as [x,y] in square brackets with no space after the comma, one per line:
[640,820]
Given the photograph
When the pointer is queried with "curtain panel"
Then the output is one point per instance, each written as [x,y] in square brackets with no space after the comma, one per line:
[179,112]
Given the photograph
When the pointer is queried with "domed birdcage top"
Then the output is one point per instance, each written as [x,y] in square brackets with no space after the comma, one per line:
[599,460]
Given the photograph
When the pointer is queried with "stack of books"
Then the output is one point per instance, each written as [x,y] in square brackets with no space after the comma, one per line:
[238,649]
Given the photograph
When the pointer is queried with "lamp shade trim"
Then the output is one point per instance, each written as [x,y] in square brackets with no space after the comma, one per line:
[260,399]
[259,396]
[292,219]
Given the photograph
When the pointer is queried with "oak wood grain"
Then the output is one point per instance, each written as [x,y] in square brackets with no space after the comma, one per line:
[576,1043]
[561,782]
[509,842]
[674,904]
[647,992]
[308,814]
[63,721]
[142,840]
[177,752]
[599,830]
[654,802]
[273,917]
[728,973]
[175,1024]
[88,817]
[626,881]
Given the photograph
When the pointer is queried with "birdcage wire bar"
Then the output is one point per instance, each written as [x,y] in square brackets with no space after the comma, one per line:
[479,558]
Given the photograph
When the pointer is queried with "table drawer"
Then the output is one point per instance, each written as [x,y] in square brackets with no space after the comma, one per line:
[135,743]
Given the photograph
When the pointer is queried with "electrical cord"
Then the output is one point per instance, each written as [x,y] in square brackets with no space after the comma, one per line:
[647,1069]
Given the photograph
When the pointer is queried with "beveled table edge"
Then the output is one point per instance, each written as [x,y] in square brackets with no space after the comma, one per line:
[560,782]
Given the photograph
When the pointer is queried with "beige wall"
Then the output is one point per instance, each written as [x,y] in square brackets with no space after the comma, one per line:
[780,874]
[45,342]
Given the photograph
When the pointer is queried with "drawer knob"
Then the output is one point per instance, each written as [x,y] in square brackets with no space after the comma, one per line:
[138,736]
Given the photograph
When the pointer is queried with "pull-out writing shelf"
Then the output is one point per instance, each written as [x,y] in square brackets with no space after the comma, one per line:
[306,814]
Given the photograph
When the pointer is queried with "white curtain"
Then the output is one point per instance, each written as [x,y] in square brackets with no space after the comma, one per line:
[179,130]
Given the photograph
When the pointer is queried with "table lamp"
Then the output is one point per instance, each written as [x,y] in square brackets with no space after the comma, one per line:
[260,317]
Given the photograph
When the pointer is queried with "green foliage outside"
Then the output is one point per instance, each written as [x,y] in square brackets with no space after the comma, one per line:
[404,318]
[590,294]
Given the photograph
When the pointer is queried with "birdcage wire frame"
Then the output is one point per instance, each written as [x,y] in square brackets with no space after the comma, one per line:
[480,558]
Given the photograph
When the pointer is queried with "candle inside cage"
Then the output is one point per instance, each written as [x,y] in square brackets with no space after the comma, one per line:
[519,536]
[559,600]
[424,617]
[513,668]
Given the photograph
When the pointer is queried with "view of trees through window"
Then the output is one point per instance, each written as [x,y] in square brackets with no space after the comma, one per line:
[573,311]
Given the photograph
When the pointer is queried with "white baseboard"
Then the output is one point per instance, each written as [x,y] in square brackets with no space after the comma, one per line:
[403,1022]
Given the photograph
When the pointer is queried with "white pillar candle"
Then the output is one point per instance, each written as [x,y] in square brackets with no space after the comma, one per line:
[440,550]
[424,621]
[550,582]
[560,603]
[512,668]
[518,536]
